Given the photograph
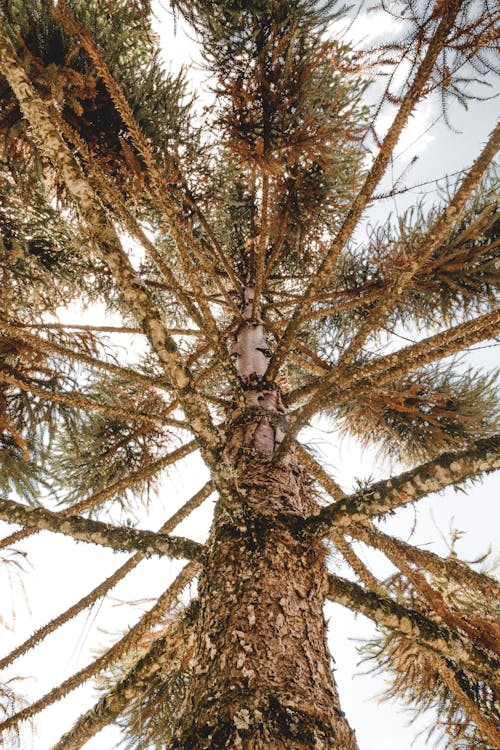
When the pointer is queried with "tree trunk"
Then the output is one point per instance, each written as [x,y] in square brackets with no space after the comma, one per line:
[261,675]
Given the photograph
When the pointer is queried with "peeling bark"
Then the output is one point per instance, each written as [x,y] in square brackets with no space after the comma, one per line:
[261,671]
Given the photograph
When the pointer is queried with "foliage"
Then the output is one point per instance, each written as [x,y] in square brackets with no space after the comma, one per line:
[424,681]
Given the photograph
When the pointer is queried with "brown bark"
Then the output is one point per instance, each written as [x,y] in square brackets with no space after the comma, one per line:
[261,671]
[261,675]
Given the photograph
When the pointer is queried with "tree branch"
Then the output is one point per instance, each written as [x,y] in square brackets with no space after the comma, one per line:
[318,472]
[485,727]
[20,333]
[117,699]
[261,249]
[407,105]
[414,626]
[384,496]
[362,572]
[102,589]
[158,188]
[106,329]
[75,400]
[369,534]
[111,252]
[336,388]
[436,565]
[121,647]
[357,300]
[97,532]
[441,228]
[98,498]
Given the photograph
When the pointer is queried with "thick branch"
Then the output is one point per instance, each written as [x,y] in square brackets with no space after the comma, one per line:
[383,496]
[414,626]
[141,475]
[369,534]
[407,105]
[97,532]
[449,568]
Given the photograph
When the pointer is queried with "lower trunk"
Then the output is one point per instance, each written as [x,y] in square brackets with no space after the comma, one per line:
[261,673]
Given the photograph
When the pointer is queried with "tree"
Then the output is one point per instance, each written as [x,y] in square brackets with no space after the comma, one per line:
[258,310]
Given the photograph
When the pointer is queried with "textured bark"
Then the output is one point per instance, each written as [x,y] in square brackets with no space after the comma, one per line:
[261,673]
[87,530]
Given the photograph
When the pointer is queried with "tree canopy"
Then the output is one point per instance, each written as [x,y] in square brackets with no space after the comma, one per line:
[244,280]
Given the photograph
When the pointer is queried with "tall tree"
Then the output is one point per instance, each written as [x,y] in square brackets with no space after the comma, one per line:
[225,245]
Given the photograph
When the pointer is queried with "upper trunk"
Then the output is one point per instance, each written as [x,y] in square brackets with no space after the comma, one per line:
[261,675]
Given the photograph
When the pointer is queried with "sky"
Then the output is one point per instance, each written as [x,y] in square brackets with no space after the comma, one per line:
[65,571]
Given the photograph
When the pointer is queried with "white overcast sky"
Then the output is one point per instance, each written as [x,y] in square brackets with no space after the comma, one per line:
[62,572]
